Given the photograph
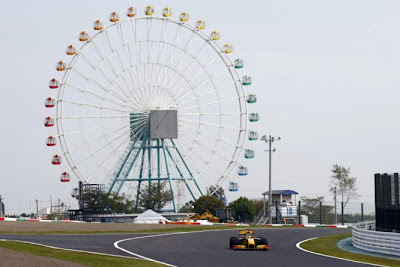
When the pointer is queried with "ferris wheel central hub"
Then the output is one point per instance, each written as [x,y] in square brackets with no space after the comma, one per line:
[163,124]
[157,124]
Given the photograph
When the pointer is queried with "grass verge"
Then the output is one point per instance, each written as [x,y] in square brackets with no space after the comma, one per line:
[76,257]
[327,245]
[154,230]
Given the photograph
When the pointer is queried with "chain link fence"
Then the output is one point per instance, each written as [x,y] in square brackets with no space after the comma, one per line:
[326,212]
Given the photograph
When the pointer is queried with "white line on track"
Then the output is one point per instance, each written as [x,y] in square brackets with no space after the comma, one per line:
[328,256]
[68,249]
[148,236]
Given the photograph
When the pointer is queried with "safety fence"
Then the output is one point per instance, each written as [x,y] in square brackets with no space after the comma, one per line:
[318,212]
[366,238]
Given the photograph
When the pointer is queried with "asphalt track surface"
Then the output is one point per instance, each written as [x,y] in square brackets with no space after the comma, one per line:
[210,248]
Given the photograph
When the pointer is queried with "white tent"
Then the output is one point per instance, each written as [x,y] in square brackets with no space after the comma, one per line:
[150,217]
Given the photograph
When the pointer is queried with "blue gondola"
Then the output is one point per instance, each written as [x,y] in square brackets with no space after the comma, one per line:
[233,186]
[242,171]
[75,192]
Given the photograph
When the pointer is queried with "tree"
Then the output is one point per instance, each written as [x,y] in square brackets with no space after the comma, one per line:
[102,202]
[207,203]
[344,184]
[312,208]
[188,207]
[155,196]
[218,193]
[120,203]
[243,209]
[258,204]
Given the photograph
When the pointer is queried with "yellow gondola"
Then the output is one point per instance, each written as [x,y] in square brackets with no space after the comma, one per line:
[167,12]
[184,17]
[149,10]
[215,35]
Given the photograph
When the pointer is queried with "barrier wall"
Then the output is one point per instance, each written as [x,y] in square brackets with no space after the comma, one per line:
[366,238]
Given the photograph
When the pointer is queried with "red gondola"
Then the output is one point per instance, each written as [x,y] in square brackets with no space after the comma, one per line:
[48,122]
[51,141]
[56,160]
[65,177]
[50,102]
[54,84]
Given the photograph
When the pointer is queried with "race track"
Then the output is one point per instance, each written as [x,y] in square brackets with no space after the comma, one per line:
[209,248]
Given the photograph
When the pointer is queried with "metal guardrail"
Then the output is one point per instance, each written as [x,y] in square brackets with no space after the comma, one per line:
[366,238]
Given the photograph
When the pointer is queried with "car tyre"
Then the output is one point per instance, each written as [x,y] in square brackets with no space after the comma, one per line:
[264,241]
[233,241]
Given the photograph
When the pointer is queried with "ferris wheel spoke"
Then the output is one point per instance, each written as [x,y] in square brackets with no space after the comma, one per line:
[82,90]
[95,117]
[207,161]
[127,48]
[127,51]
[95,106]
[183,54]
[171,52]
[141,60]
[93,155]
[199,171]
[76,148]
[161,46]
[90,129]
[207,93]
[205,81]
[211,124]
[98,69]
[214,137]
[195,57]
[211,114]
[119,58]
[208,147]
[149,46]
[104,162]
[208,104]
[101,86]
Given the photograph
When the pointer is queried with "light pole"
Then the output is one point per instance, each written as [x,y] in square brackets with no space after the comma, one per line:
[269,139]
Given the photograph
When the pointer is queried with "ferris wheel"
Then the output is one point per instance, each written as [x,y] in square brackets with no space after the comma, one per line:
[151,99]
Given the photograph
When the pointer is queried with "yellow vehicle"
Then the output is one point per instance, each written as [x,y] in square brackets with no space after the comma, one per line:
[247,240]
[207,215]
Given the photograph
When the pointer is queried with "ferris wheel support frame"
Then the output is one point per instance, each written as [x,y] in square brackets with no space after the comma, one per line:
[147,144]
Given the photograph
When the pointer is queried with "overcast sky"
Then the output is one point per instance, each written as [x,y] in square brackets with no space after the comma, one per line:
[325,73]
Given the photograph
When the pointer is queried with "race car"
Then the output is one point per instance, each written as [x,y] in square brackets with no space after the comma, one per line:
[246,240]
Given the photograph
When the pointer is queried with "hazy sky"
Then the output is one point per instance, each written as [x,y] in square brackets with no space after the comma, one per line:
[325,73]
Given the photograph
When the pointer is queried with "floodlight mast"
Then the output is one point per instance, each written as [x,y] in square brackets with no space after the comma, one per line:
[269,139]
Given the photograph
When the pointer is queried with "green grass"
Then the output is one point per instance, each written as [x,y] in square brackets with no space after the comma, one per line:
[327,245]
[77,257]
[156,230]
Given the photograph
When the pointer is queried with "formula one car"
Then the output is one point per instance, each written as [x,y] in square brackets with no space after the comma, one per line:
[246,240]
